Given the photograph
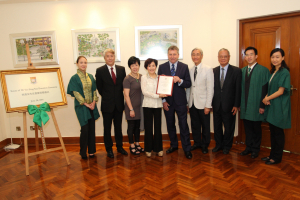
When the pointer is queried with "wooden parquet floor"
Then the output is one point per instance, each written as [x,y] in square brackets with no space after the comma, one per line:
[209,176]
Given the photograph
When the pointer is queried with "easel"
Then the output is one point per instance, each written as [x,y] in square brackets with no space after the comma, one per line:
[30,66]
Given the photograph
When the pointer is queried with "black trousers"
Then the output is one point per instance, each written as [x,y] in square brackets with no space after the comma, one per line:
[108,117]
[200,121]
[253,135]
[224,139]
[277,143]
[153,143]
[133,129]
[181,111]
[87,137]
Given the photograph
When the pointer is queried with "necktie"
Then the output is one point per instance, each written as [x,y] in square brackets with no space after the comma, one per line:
[195,74]
[222,78]
[173,70]
[249,70]
[113,76]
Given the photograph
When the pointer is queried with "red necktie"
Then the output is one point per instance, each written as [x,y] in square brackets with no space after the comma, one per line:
[113,76]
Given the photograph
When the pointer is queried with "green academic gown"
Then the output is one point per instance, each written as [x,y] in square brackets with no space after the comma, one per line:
[259,77]
[279,112]
[82,112]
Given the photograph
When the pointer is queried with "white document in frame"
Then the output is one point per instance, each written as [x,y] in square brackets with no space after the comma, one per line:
[165,85]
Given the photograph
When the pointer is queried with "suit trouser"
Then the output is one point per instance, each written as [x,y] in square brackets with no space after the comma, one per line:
[223,140]
[199,121]
[107,121]
[253,135]
[133,129]
[87,137]
[184,129]
[277,143]
[153,141]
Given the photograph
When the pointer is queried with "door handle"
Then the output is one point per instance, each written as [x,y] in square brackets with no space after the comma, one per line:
[292,89]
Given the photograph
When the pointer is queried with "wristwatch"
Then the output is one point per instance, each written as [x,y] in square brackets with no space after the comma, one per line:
[132,109]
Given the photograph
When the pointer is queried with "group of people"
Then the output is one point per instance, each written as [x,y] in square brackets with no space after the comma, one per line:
[259,95]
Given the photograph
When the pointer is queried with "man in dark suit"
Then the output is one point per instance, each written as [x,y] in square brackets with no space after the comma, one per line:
[226,101]
[109,81]
[177,102]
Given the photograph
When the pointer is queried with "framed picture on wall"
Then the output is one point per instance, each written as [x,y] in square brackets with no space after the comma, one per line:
[154,41]
[92,43]
[42,47]
[25,87]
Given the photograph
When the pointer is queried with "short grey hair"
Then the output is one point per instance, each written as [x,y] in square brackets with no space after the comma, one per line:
[223,49]
[109,51]
[197,49]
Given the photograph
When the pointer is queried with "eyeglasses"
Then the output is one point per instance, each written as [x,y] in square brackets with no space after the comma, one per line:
[222,57]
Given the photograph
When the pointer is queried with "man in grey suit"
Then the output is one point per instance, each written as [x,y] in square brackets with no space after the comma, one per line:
[199,97]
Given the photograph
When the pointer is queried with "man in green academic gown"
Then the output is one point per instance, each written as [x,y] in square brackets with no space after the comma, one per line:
[255,79]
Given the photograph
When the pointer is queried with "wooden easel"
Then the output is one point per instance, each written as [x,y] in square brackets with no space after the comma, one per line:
[30,66]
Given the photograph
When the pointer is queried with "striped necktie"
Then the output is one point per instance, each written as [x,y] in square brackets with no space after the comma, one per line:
[173,70]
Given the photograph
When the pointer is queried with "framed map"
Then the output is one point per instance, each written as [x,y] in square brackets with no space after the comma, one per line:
[91,43]
[154,41]
[42,47]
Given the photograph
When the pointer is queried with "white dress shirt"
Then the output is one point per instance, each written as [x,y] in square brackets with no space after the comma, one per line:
[151,99]
[252,66]
[114,69]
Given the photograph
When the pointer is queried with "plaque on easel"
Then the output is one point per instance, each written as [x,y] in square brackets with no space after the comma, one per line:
[34,86]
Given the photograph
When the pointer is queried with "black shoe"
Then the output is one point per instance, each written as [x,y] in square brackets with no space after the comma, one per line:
[134,151]
[246,152]
[172,149]
[204,150]
[188,154]
[265,158]
[92,155]
[225,151]
[122,151]
[110,154]
[254,155]
[84,157]
[139,148]
[216,149]
[194,147]
[271,163]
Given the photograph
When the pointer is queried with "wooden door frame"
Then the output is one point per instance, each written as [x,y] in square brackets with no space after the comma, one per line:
[242,22]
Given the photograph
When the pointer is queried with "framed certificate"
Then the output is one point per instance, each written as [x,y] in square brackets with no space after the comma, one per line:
[165,85]
[35,86]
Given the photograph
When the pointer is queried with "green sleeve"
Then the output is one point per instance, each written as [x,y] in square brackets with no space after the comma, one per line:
[73,86]
[285,81]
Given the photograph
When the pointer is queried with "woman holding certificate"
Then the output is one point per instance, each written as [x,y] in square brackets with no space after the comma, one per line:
[82,86]
[278,109]
[133,99]
[152,106]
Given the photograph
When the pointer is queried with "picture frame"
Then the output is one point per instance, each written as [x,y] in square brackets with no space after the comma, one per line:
[25,87]
[91,43]
[154,41]
[42,47]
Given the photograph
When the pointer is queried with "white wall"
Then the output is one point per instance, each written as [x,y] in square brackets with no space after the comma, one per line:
[209,25]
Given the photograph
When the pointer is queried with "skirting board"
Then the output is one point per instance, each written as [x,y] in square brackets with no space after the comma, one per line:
[75,140]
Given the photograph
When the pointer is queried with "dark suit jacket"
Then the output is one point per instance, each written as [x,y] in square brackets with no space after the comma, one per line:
[112,95]
[230,95]
[183,73]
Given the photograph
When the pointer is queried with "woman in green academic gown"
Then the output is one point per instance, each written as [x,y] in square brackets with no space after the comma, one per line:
[82,86]
[278,109]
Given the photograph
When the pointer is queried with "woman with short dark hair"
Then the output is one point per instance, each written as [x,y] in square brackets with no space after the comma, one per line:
[278,109]
[152,105]
[132,94]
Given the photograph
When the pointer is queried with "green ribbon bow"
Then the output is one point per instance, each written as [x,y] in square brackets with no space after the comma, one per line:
[40,114]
